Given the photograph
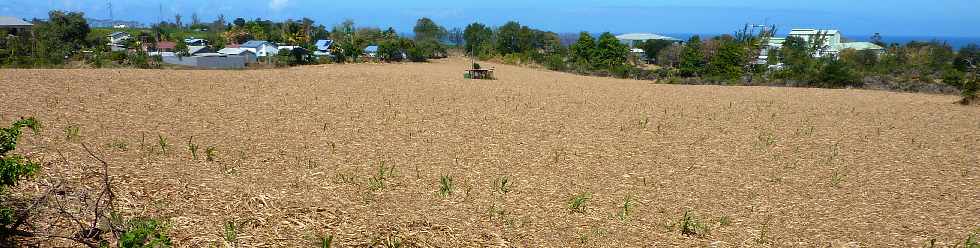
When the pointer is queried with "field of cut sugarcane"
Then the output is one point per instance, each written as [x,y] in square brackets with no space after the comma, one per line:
[414,155]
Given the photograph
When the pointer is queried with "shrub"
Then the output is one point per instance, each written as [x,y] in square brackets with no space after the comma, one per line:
[556,62]
[144,233]
[578,202]
[691,225]
[969,92]
[13,167]
[953,78]
[837,74]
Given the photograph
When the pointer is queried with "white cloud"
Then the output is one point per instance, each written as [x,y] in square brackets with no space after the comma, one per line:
[278,4]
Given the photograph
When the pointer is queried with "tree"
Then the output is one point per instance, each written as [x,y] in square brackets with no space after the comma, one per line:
[61,36]
[670,56]
[219,25]
[797,56]
[653,47]
[692,59]
[177,21]
[239,22]
[729,61]
[508,38]
[477,38]
[968,55]
[181,48]
[877,40]
[609,52]
[427,30]
[195,20]
[584,49]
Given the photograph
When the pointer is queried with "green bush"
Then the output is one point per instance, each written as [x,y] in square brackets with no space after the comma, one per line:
[148,233]
[13,167]
[969,92]
[836,74]
[953,77]
[556,62]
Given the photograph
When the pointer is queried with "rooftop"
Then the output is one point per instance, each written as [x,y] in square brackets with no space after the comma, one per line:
[255,43]
[644,36]
[323,45]
[13,21]
[805,31]
[860,46]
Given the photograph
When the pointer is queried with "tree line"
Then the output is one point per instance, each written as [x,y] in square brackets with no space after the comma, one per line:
[66,37]
[734,59]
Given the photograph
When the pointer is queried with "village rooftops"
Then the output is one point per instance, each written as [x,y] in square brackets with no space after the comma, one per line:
[256,44]
[10,21]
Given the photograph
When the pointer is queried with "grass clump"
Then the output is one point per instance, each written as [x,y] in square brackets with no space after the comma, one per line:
[626,209]
[502,185]
[692,226]
[326,241]
[210,153]
[72,133]
[192,147]
[162,142]
[578,202]
[379,180]
[231,232]
[445,186]
[145,233]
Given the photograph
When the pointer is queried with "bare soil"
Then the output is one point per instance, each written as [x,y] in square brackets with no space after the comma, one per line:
[298,153]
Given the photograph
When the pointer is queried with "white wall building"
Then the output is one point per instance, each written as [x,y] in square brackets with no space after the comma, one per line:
[261,48]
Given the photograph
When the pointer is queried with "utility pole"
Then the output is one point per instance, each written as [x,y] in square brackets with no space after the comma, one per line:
[112,20]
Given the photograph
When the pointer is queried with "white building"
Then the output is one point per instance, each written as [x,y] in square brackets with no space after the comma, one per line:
[833,43]
[635,39]
[261,48]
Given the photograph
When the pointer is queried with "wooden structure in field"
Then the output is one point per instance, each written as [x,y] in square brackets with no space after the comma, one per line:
[479,74]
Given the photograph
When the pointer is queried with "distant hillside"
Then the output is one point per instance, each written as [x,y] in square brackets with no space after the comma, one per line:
[97,23]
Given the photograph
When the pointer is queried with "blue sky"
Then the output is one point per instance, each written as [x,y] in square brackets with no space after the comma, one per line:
[856,18]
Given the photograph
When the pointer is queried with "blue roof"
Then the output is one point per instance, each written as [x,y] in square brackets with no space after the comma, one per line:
[323,45]
[255,43]
[371,49]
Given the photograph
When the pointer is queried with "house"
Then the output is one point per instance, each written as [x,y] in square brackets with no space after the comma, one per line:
[831,40]
[323,47]
[192,50]
[118,38]
[162,48]
[208,61]
[249,56]
[284,47]
[833,44]
[117,41]
[14,26]
[371,51]
[261,48]
[195,42]
[635,39]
